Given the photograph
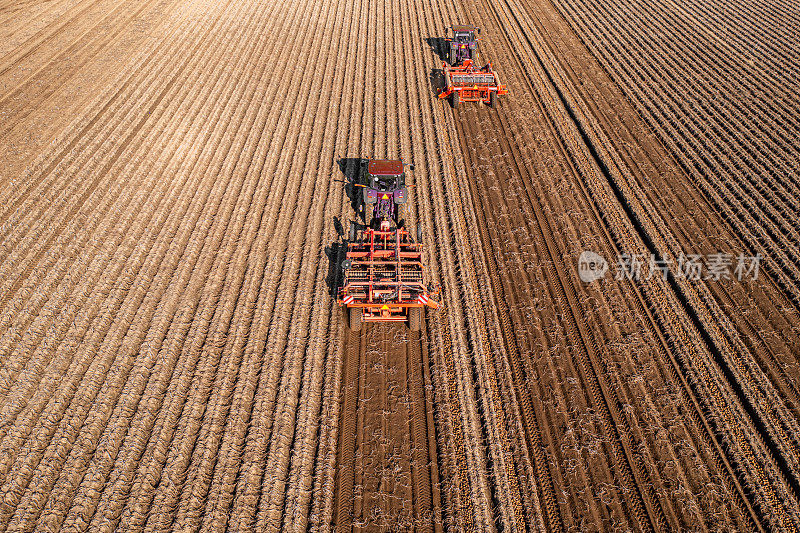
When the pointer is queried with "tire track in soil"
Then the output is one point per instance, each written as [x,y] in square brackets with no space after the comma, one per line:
[624,463]
[479,137]
[382,151]
[427,494]
[384,378]
[751,388]
[743,351]
[369,493]
[120,442]
[457,493]
[294,518]
[524,410]
[348,141]
[502,488]
[423,423]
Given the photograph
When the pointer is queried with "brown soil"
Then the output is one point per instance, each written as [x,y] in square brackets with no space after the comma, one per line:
[172,356]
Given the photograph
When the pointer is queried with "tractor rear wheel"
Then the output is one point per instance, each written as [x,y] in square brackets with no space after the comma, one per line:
[355,318]
[493,99]
[415,318]
[454,99]
[368,211]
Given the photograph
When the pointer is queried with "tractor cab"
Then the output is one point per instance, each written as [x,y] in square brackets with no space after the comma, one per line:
[465,34]
[463,44]
[385,175]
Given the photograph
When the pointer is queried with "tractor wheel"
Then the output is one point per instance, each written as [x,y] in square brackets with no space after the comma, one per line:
[415,318]
[454,99]
[493,99]
[355,318]
[368,211]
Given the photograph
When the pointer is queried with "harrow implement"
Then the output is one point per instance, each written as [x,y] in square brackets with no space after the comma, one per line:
[384,279]
[467,83]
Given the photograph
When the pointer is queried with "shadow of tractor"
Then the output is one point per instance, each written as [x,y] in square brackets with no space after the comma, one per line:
[351,167]
[439,46]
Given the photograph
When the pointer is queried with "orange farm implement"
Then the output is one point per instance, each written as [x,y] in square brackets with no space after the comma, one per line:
[383,278]
[467,83]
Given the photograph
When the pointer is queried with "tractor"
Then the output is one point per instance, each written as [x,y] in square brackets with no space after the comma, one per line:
[384,191]
[463,44]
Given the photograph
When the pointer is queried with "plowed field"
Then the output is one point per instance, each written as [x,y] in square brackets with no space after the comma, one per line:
[173,193]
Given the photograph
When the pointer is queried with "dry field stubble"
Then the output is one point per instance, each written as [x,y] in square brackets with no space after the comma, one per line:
[171,353]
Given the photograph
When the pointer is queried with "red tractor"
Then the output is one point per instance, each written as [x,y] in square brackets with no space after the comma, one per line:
[384,190]
[467,83]
[463,45]
[383,277]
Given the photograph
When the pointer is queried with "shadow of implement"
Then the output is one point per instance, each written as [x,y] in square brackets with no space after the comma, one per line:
[436,79]
[335,253]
